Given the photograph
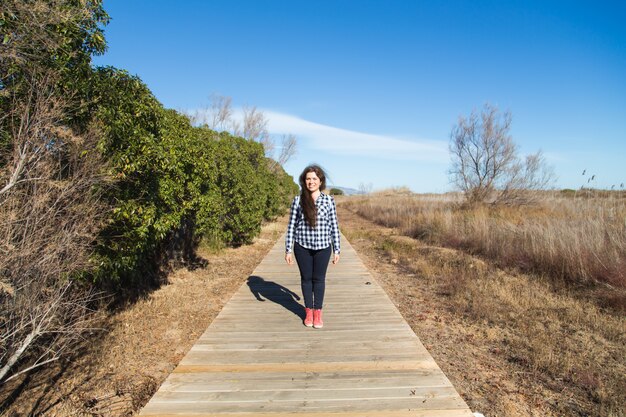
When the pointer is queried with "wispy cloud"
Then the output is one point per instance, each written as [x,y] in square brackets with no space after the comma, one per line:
[332,139]
[317,136]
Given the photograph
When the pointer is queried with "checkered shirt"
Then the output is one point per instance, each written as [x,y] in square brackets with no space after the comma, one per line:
[326,231]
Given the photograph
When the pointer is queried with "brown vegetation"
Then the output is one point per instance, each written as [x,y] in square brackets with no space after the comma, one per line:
[535,336]
[219,116]
[577,241]
[50,215]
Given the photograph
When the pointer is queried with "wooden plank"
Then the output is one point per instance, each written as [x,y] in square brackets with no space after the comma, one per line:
[284,381]
[302,344]
[286,406]
[461,412]
[308,367]
[417,393]
[309,377]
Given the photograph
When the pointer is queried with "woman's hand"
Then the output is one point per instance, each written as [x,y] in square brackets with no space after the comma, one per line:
[335,258]
[288,258]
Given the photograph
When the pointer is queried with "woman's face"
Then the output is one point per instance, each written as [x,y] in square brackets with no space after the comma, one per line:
[312,182]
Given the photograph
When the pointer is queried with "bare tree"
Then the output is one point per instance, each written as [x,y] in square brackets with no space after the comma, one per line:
[32,120]
[365,188]
[33,40]
[49,216]
[288,148]
[221,112]
[255,128]
[485,162]
[219,116]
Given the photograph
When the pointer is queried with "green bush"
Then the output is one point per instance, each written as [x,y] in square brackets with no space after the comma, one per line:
[241,173]
[335,191]
[174,184]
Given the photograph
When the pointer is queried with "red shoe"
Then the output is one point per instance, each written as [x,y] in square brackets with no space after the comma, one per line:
[308,320]
[317,319]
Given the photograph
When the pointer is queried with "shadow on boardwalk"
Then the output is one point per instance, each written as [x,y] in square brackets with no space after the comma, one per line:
[269,290]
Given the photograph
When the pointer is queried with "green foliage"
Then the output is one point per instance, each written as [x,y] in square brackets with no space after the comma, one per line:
[171,184]
[242,171]
[335,191]
[128,116]
[286,189]
[174,184]
[58,35]
[45,42]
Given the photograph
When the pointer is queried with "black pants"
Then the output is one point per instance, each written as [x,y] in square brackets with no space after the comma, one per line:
[313,265]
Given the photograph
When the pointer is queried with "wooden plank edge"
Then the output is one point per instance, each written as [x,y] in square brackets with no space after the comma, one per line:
[459,412]
[310,367]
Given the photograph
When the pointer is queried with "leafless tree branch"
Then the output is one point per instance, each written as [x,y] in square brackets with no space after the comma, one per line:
[485,162]
[219,116]
[50,213]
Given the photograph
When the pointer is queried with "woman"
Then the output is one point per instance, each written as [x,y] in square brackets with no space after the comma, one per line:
[312,234]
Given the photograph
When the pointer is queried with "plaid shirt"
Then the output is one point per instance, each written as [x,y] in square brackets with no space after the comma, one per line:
[326,229]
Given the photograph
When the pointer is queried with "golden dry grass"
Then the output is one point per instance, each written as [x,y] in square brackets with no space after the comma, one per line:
[576,240]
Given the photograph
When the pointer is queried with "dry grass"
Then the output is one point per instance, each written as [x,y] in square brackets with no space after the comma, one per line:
[533,320]
[567,239]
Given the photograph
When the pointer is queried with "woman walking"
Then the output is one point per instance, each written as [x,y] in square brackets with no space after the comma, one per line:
[312,235]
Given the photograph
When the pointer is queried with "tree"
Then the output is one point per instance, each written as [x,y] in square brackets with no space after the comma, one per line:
[50,216]
[287,150]
[219,114]
[255,128]
[46,36]
[365,188]
[49,177]
[485,161]
[97,180]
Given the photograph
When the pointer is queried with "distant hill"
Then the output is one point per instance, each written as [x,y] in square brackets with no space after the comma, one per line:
[346,190]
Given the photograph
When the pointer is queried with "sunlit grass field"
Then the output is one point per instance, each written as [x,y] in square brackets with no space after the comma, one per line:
[579,240]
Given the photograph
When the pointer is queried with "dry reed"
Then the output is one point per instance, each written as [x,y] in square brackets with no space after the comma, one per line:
[568,239]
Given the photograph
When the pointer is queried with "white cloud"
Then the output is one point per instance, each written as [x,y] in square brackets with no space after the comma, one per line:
[333,139]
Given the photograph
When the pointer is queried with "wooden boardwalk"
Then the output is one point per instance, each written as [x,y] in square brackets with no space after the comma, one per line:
[256,358]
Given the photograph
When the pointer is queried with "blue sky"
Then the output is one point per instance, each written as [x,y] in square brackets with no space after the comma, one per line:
[372,88]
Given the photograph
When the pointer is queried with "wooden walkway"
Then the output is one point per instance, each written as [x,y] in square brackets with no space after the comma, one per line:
[256,359]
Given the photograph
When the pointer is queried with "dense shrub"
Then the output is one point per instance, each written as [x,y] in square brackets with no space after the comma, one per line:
[174,184]
[280,199]
[242,171]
